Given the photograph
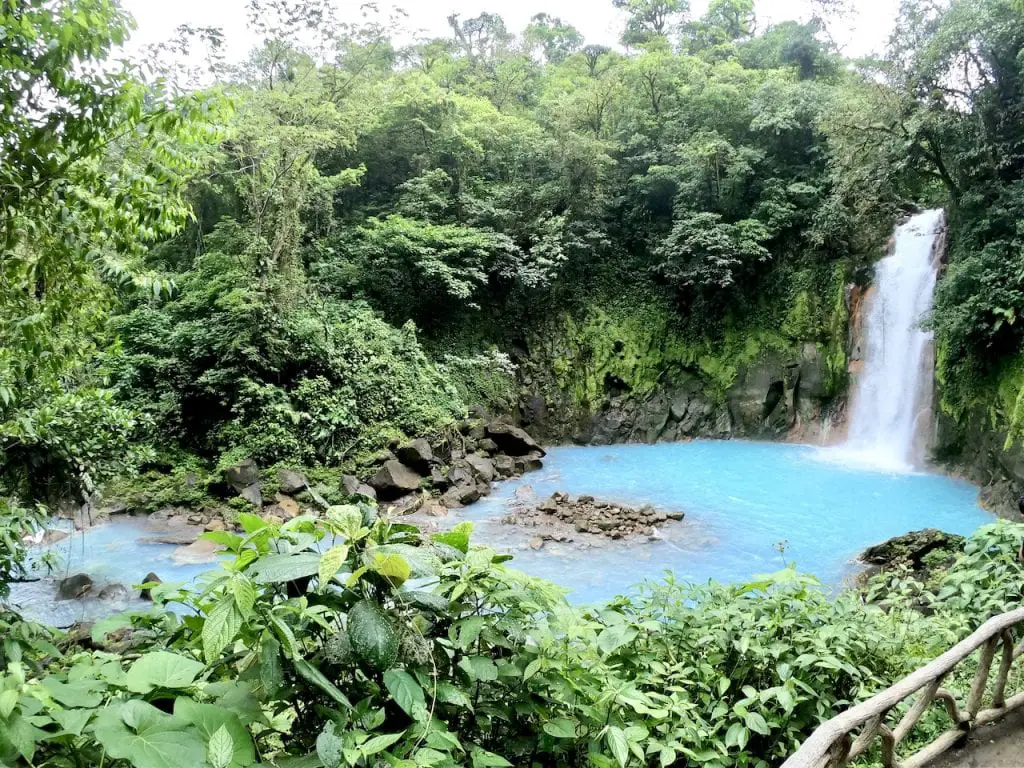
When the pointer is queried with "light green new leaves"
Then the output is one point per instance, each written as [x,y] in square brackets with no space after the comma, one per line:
[330,563]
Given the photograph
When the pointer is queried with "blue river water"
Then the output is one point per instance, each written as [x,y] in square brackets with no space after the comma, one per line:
[744,502]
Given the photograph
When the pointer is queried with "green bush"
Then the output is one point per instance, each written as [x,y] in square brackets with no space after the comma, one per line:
[219,367]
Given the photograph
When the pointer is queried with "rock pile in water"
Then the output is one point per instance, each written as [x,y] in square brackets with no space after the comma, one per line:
[586,514]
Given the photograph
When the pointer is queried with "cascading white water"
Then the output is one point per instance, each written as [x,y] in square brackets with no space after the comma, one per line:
[895,385]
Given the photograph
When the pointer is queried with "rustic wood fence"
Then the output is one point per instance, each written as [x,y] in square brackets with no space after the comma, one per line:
[847,736]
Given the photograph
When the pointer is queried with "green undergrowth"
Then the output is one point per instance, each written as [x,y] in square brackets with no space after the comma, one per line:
[354,640]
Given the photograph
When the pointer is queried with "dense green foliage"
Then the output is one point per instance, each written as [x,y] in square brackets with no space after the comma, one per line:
[349,255]
[468,191]
[355,641]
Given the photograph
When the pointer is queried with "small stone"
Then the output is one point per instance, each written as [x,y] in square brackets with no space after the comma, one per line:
[486,445]
[673,515]
[536,543]
[216,525]
[434,508]
[273,520]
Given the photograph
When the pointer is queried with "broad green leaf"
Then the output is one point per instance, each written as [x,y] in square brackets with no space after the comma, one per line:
[560,728]
[737,736]
[405,691]
[427,601]
[451,694]
[220,749]
[220,628]
[73,720]
[329,746]
[285,635]
[484,759]
[756,723]
[209,719]
[392,567]
[379,743]
[225,538]
[251,523]
[271,674]
[148,738]
[466,631]
[422,564]
[618,744]
[276,569]
[162,669]
[347,517]
[8,701]
[457,537]
[330,563]
[615,636]
[478,668]
[80,693]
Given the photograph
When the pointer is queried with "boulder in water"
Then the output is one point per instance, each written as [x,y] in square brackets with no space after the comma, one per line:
[151,578]
[114,592]
[177,535]
[481,467]
[201,551]
[74,587]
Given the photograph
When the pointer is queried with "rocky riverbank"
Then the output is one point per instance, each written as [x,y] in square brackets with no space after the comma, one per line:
[427,476]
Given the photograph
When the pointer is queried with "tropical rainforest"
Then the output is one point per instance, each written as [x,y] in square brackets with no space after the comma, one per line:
[352,239]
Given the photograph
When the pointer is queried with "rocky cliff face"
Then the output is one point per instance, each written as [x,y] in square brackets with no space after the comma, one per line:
[616,378]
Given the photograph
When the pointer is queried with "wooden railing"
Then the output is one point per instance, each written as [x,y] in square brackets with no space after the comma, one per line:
[847,736]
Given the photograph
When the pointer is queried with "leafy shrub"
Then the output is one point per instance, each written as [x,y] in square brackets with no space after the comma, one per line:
[220,367]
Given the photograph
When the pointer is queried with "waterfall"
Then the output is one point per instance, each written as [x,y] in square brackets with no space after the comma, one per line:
[894,388]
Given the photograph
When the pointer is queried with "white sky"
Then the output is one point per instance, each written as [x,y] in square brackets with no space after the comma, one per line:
[865,31]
